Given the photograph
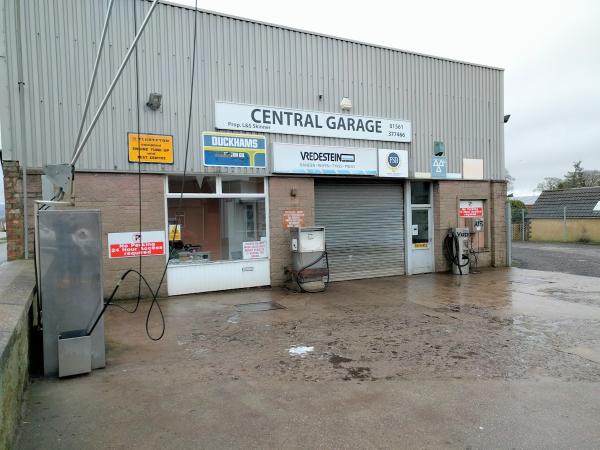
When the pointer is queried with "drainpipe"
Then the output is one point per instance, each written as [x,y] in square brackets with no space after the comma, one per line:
[23,148]
[508,220]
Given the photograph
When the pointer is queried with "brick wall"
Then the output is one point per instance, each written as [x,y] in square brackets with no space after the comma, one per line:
[116,196]
[447,195]
[280,200]
[13,193]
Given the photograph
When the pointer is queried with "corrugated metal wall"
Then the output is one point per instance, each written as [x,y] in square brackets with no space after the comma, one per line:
[238,61]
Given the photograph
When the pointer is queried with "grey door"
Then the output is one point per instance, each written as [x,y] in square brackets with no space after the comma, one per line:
[364,227]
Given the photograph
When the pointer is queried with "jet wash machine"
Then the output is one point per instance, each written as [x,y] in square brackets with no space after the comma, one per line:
[310,264]
[456,250]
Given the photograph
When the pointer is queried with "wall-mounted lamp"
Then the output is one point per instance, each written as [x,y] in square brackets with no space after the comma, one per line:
[506,117]
[346,104]
[439,148]
[154,101]
[293,192]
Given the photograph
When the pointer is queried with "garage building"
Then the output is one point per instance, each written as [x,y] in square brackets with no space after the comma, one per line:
[385,148]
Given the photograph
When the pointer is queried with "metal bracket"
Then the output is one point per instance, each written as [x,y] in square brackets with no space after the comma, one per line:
[61,176]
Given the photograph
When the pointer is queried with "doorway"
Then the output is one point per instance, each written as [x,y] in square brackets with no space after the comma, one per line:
[420,227]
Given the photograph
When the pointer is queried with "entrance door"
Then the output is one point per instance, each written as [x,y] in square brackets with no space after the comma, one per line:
[421,260]
[420,228]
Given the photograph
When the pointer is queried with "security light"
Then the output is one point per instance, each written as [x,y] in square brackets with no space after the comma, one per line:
[506,117]
[346,104]
[438,148]
[154,101]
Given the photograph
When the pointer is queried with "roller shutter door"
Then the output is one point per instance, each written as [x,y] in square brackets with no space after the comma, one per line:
[364,228]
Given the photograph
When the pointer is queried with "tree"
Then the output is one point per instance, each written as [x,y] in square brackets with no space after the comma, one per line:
[549,184]
[510,180]
[576,178]
[515,208]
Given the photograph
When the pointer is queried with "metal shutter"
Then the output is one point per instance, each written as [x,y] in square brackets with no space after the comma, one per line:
[364,228]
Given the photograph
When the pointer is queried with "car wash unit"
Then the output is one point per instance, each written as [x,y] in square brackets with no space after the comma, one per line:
[371,161]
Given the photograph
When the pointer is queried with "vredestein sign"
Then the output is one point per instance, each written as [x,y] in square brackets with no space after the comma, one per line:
[271,119]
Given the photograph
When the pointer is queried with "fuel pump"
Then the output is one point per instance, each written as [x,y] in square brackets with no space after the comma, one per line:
[456,250]
[310,264]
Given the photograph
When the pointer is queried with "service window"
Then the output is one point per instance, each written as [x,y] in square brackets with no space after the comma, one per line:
[218,219]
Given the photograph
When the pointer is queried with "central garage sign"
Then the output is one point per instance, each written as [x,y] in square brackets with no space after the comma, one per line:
[270,119]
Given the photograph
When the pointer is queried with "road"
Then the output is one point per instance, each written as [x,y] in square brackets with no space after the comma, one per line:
[576,259]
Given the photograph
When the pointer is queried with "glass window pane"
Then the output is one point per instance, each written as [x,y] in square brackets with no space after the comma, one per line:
[216,229]
[193,184]
[419,192]
[420,226]
[243,185]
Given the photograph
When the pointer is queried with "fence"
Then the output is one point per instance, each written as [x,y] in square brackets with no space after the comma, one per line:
[521,229]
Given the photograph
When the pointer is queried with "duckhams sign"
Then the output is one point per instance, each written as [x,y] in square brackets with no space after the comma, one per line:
[270,119]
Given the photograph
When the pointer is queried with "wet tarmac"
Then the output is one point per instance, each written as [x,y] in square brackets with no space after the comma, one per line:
[506,358]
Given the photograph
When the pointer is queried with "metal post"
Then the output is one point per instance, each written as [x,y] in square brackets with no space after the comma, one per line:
[508,221]
[94,73]
[24,162]
[565,233]
[522,224]
[132,47]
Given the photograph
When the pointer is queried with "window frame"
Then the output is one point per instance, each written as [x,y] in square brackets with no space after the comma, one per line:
[219,190]
[219,195]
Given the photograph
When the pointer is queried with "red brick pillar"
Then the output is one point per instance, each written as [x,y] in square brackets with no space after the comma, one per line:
[13,193]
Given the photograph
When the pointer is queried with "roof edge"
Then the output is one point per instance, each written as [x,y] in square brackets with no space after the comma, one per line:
[329,36]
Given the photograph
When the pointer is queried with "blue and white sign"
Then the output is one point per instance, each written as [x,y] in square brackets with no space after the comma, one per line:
[323,160]
[393,163]
[439,166]
[234,150]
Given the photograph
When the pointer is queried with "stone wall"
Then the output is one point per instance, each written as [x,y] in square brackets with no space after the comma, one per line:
[287,194]
[17,282]
[446,198]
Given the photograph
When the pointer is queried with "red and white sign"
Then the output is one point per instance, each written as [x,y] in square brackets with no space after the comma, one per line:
[471,208]
[128,245]
[254,249]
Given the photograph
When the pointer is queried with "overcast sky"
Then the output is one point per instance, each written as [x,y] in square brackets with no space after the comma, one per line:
[550,51]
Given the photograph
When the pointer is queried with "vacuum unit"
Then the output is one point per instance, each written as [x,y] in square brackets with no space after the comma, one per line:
[456,250]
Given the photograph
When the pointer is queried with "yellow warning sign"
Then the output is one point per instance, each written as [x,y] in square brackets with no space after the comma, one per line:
[421,245]
[154,148]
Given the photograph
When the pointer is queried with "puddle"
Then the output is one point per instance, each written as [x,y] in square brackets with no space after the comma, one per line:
[591,353]
[259,306]
[544,307]
[300,350]
[336,360]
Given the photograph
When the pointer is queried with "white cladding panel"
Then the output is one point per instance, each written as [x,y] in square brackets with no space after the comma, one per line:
[238,61]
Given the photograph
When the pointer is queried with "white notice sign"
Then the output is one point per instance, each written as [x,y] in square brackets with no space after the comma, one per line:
[271,119]
[313,159]
[254,249]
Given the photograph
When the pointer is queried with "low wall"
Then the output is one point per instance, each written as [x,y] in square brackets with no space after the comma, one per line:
[578,230]
[17,283]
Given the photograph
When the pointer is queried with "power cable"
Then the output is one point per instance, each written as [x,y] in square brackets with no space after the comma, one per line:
[141,277]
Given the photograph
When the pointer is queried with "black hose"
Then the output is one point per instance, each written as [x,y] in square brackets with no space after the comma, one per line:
[452,251]
[300,278]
